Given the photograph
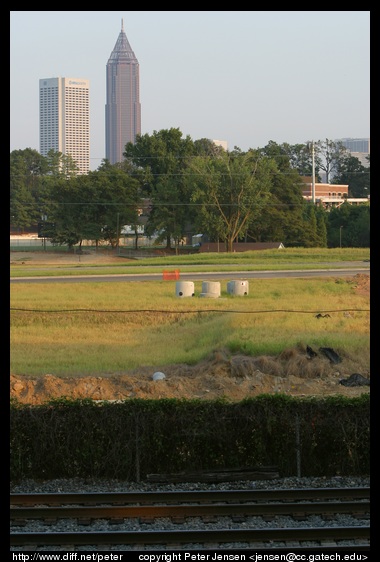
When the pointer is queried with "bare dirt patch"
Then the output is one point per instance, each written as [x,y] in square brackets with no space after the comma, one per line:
[235,378]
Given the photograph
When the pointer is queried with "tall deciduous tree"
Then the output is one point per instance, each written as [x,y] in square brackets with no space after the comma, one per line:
[328,155]
[230,190]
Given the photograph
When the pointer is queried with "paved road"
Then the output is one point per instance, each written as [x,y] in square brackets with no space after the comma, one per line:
[198,276]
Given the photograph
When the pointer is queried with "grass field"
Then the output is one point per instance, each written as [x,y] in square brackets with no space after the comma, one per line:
[108,328]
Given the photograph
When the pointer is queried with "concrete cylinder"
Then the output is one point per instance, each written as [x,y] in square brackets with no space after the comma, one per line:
[184,289]
[211,288]
[238,287]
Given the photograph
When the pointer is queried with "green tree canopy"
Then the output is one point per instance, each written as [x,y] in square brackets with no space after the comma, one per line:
[93,206]
[349,225]
[27,167]
[230,190]
[163,156]
[350,171]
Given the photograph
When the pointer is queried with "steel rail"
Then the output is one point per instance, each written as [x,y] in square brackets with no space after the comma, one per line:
[189,496]
[186,510]
[220,536]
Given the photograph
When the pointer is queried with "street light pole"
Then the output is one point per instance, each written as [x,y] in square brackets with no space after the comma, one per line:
[340,236]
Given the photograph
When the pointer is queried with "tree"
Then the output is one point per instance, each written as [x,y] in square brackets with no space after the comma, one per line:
[93,206]
[310,236]
[283,218]
[322,218]
[328,155]
[63,211]
[27,167]
[163,157]
[118,200]
[350,171]
[349,225]
[61,165]
[185,185]
[230,190]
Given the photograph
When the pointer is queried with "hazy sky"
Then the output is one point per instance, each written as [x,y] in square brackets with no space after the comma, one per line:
[245,77]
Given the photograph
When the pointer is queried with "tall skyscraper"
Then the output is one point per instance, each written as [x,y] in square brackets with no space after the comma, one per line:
[123,108]
[65,119]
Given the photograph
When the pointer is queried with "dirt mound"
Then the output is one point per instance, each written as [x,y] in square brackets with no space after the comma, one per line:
[233,378]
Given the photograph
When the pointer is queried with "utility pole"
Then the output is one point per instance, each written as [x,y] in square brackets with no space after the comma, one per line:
[310,147]
[312,172]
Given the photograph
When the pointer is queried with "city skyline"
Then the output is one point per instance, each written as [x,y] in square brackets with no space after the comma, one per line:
[245,77]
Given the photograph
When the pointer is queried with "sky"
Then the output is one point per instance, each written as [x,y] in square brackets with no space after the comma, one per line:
[245,77]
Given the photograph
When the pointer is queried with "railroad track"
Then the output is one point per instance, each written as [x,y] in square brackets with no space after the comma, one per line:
[238,505]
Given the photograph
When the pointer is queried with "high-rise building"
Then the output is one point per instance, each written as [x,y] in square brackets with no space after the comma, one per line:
[65,119]
[356,145]
[359,148]
[123,108]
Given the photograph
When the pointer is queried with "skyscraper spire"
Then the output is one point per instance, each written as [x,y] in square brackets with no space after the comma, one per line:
[122,50]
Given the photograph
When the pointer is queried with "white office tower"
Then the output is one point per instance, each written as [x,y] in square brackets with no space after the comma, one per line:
[65,119]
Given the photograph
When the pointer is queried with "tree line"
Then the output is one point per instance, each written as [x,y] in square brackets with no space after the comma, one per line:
[177,187]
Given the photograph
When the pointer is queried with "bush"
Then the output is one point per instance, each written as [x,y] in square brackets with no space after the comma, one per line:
[134,438]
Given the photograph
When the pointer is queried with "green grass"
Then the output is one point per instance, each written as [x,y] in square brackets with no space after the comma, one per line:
[292,258]
[76,329]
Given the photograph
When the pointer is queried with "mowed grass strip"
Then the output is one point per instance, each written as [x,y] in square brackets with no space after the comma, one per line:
[286,258]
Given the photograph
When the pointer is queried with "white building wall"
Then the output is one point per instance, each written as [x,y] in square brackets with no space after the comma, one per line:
[65,119]
[221,143]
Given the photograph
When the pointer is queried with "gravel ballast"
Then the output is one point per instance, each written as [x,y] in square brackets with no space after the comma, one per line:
[195,523]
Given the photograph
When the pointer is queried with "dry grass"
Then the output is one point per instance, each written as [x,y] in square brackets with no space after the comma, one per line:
[98,328]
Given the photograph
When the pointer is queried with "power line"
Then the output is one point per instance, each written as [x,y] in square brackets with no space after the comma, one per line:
[129,174]
[166,204]
[176,312]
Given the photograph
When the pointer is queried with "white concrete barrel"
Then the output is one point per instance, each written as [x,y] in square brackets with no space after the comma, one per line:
[211,288]
[184,289]
[238,287]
